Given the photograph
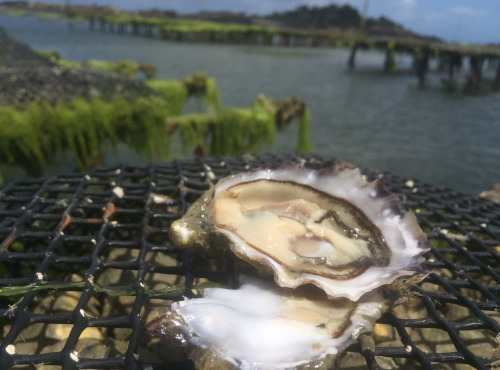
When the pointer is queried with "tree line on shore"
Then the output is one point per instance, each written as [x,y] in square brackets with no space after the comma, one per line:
[332,17]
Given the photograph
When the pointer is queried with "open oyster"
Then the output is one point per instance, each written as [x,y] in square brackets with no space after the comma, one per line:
[308,223]
[262,326]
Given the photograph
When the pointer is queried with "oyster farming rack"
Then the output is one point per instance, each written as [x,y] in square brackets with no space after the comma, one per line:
[86,264]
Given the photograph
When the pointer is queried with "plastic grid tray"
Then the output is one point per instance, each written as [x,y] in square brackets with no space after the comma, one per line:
[85,263]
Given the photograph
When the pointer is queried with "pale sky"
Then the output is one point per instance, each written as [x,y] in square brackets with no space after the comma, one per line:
[451,20]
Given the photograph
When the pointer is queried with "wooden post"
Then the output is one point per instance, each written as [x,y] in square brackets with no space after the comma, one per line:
[454,62]
[389,64]
[476,64]
[135,28]
[496,86]
[422,66]
[352,57]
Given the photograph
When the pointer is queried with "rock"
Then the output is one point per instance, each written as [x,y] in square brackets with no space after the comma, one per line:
[20,86]
[91,333]
[351,360]
[493,194]
[27,76]
[92,348]
[58,331]
[15,54]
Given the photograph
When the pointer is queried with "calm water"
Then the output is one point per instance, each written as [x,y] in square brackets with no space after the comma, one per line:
[363,116]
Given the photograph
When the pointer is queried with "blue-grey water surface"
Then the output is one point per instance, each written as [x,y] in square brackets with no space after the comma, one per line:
[363,116]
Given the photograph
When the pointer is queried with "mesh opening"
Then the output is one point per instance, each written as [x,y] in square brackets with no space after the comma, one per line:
[85,263]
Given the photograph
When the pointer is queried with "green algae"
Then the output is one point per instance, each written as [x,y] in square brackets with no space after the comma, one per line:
[34,136]
[125,67]
[174,91]
[240,130]
[9,291]
[303,143]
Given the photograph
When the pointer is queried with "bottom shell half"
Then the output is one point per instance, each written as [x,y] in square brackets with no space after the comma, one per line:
[261,326]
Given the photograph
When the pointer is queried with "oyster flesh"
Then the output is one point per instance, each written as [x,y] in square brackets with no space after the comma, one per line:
[308,223]
[262,326]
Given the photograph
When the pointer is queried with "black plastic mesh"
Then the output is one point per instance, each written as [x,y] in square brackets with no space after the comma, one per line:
[85,263]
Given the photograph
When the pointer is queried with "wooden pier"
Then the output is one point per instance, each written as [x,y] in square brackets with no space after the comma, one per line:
[450,56]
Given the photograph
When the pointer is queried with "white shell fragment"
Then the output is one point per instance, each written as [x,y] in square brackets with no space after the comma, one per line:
[10,349]
[118,191]
[308,223]
[260,326]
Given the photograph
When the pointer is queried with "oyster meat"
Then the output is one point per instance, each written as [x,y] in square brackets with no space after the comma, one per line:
[308,223]
[262,326]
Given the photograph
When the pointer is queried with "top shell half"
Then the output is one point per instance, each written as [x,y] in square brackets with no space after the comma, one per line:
[308,223]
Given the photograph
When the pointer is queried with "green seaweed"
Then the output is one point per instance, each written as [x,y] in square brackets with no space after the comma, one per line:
[303,143]
[200,85]
[212,97]
[193,130]
[124,66]
[79,285]
[240,130]
[19,290]
[34,136]
[261,124]
[174,91]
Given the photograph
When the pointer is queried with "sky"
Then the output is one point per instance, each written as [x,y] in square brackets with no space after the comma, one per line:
[452,20]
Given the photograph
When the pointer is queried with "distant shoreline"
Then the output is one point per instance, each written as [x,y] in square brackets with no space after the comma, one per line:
[347,22]
[230,28]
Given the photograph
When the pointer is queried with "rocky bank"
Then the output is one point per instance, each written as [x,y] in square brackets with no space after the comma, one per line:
[27,76]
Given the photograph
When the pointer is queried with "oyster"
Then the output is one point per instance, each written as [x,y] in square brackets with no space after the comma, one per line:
[262,326]
[308,223]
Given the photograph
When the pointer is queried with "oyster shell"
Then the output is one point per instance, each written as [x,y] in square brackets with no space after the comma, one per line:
[262,326]
[308,223]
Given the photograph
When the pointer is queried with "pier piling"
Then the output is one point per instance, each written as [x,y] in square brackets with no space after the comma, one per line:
[449,55]
[496,86]
[352,56]
[389,63]
[421,66]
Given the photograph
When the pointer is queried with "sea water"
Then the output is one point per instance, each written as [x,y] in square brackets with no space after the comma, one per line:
[361,115]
